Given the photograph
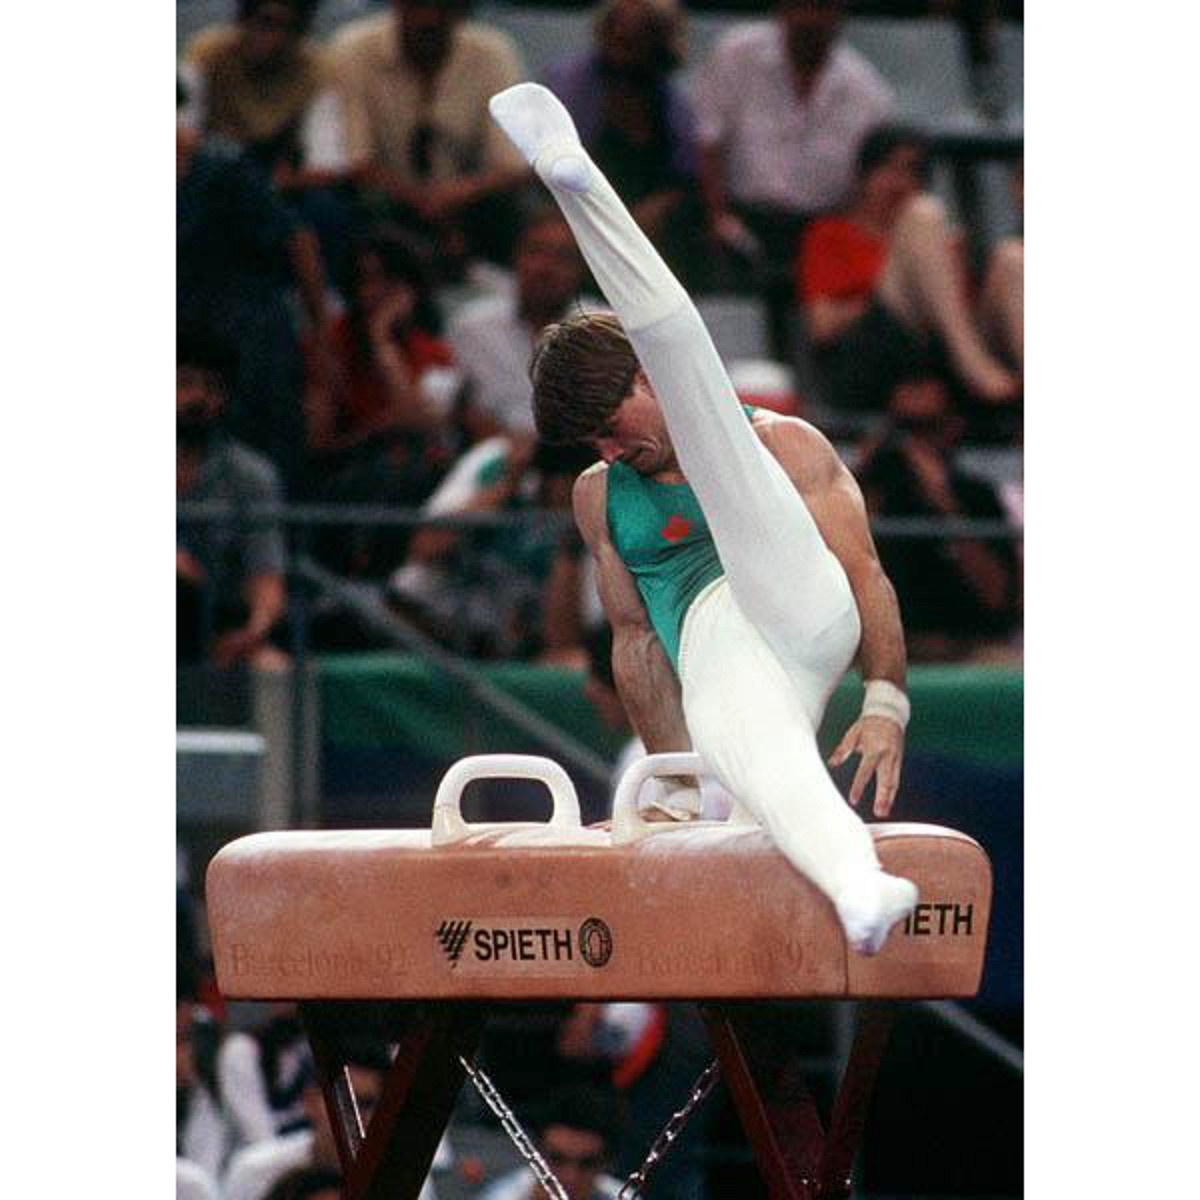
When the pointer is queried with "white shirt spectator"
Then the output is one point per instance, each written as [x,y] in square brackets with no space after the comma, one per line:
[193,1182]
[492,347]
[256,1169]
[780,151]
[244,1090]
[253,1170]
[205,1139]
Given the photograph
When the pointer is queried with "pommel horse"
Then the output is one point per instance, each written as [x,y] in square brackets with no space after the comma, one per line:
[443,922]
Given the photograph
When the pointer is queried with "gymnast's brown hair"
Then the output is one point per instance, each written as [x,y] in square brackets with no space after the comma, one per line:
[582,370]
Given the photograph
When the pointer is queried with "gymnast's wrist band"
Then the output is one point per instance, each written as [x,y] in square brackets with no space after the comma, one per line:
[885,699]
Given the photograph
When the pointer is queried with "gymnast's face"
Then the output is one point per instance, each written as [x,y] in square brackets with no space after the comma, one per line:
[636,433]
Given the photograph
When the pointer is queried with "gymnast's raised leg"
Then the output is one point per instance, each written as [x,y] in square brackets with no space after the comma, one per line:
[789,597]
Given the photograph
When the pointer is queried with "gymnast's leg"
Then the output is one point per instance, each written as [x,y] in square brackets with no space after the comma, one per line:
[752,723]
[790,590]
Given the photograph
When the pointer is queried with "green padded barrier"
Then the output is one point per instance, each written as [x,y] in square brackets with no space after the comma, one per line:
[386,700]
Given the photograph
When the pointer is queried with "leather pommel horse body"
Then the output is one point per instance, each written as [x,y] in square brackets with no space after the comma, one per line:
[440,922]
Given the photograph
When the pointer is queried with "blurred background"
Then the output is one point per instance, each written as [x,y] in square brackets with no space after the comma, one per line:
[376,568]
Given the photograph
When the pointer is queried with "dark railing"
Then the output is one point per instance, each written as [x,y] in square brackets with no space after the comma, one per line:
[310,578]
[326,516]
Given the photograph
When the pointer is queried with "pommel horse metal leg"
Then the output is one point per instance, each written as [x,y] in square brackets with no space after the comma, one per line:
[798,1159]
[390,1159]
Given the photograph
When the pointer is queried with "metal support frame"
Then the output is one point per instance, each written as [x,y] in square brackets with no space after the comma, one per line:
[798,1158]
[390,1158]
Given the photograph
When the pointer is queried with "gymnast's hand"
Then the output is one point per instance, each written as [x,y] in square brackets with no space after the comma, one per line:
[880,741]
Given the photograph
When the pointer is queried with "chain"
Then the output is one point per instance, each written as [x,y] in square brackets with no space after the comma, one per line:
[528,1151]
[632,1188]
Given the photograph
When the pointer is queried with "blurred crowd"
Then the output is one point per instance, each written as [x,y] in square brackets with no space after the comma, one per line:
[364,264]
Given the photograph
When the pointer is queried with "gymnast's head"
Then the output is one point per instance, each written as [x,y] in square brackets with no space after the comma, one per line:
[589,389]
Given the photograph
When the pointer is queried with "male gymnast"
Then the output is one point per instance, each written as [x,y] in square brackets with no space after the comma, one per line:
[734,556]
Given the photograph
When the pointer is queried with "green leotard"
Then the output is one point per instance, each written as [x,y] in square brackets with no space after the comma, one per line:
[661,535]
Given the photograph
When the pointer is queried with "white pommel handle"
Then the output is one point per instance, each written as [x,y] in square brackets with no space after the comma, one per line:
[627,822]
[448,823]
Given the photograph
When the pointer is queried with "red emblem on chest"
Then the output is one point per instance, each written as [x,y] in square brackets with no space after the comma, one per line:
[676,528]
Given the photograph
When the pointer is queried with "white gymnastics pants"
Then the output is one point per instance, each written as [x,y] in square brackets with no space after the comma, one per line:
[762,649]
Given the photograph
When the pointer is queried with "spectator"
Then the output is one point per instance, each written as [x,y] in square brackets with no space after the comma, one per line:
[417,81]
[262,1075]
[782,106]
[239,252]
[193,1182]
[257,1168]
[654,1053]
[229,577]
[202,1137]
[493,336]
[842,255]
[389,362]
[1002,296]
[576,1133]
[956,594]
[885,291]
[263,84]
[379,422]
[637,122]
[485,596]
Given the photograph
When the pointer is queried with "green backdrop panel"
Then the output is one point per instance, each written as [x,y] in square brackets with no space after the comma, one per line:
[385,701]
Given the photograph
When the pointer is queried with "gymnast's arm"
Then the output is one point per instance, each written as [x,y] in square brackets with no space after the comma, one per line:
[645,682]
[833,497]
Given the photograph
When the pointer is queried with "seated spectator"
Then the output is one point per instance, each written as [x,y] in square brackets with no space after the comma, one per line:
[264,85]
[493,336]
[1002,295]
[231,592]
[257,1168]
[262,1074]
[379,420]
[884,288]
[193,1182]
[202,1135]
[390,365]
[842,255]
[637,122]
[956,594]
[416,81]
[576,1131]
[482,592]
[239,252]
[782,106]
[654,1054]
